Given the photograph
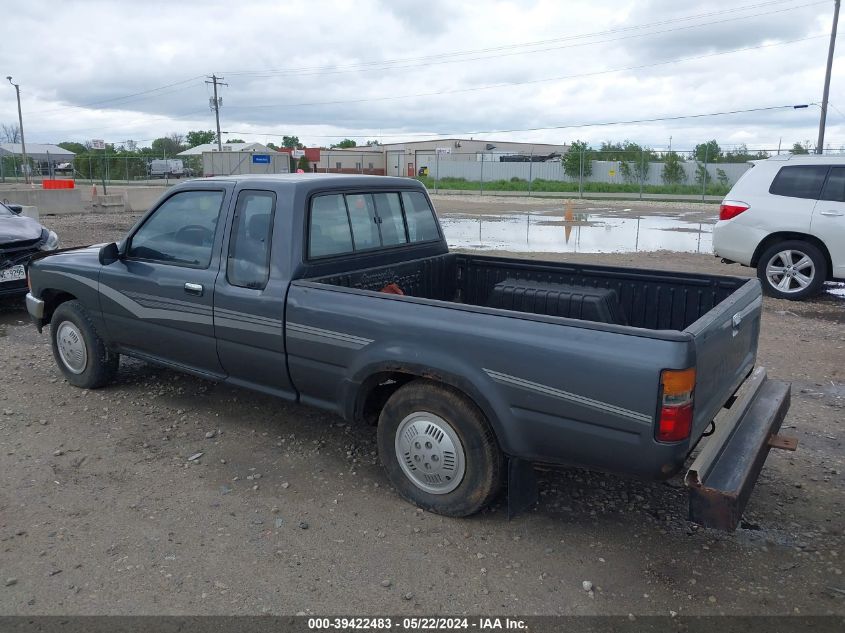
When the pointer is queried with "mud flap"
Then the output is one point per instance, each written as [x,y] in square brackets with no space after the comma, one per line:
[723,475]
[522,486]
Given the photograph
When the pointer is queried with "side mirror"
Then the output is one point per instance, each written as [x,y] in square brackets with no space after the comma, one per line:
[109,254]
[15,208]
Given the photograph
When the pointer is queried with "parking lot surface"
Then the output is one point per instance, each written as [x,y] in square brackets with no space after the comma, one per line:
[287,509]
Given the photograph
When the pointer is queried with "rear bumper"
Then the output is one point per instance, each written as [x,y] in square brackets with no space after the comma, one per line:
[13,288]
[736,241]
[724,473]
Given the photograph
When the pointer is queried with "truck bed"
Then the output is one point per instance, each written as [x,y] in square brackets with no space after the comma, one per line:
[647,299]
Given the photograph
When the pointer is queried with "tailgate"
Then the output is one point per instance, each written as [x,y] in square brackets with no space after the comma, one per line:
[725,348]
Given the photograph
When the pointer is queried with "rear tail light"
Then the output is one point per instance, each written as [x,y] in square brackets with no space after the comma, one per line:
[676,388]
[730,209]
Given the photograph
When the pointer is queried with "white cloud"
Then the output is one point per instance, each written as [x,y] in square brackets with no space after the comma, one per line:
[273,54]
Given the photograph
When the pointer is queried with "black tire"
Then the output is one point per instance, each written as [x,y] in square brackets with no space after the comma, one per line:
[788,285]
[483,463]
[97,365]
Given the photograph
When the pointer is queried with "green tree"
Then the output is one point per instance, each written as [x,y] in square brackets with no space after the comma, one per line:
[167,146]
[722,177]
[303,164]
[702,175]
[233,140]
[73,146]
[742,155]
[673,169]
[708,152]
[292,142]
[346,144]
[578,157]
[273,146]
[632,157]
[200,137]
[798,148]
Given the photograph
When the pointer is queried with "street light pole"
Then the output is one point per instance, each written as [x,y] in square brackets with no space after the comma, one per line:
[823,117]
[25,165]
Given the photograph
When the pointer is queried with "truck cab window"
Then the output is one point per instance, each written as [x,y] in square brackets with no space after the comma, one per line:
[362,213]
[248,262]
[181,231]
[329,231]
[392,224]
[420,217]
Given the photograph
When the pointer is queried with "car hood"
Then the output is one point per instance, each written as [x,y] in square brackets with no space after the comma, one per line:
[18,228]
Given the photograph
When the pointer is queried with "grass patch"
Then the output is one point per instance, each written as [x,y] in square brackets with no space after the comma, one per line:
[540,185]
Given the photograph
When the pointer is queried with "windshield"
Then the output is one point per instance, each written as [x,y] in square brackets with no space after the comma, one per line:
[4,210]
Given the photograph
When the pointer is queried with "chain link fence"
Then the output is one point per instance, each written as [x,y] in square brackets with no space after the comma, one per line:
[586,171]
[96,168]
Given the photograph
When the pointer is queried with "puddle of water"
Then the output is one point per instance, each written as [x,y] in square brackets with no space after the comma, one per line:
[580,232]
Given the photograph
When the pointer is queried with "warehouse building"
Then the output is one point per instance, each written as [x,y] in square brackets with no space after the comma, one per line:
[409,158]
[43,158]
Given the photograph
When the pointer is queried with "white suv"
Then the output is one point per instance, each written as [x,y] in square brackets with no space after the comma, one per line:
[786,216]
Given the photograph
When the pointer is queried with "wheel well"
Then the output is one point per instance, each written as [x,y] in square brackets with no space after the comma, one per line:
[52,300]
[376,390]
[774,238]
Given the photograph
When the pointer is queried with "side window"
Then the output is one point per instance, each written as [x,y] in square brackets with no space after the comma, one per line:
[834,188]
[804,181]
[362,213]
[181,231]
[329,231]
[392,224]
[248,263]
[420,217]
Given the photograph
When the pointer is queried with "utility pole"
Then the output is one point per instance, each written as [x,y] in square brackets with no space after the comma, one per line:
[823,116]
[25,165]
[215,104]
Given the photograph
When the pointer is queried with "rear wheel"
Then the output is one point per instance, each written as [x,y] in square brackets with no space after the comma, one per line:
[80,353]
[792,270]
[438,449]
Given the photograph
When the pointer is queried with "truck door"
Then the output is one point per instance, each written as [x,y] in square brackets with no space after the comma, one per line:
[157,299]
[249,301]
[828,223]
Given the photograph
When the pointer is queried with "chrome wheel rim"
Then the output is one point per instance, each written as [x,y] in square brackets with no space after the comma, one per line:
[71,347]
[790,271]
[430,453]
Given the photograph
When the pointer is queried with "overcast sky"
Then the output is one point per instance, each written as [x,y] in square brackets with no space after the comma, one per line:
[403,69]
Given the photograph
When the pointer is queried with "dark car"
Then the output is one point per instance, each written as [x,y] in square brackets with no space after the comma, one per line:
[20,238]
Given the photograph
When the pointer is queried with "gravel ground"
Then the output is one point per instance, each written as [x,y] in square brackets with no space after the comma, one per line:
[287,510]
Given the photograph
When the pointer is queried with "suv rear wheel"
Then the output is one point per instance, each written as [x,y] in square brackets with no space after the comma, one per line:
[792,270]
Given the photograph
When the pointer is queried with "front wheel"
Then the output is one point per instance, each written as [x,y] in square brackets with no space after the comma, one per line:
[792,270]
[80,353]
[439,450]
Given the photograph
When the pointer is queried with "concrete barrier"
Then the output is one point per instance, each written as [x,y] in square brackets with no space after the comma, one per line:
[142,198]
[48,201]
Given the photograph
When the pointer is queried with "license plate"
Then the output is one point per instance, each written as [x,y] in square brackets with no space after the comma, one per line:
[15,273]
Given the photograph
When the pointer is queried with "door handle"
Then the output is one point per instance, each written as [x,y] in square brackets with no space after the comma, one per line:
[194,289]
[832,214]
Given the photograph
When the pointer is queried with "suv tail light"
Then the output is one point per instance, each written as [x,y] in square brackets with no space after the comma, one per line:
[676,390]
[730,209]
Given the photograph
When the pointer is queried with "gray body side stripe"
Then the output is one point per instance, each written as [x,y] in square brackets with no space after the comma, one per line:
[306,332]
[565,395]
[137,309]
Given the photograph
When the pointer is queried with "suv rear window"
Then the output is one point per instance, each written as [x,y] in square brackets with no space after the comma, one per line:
[354,222]
[804,181]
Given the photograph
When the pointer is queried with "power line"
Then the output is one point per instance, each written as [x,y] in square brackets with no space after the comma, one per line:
[134,94]
[550,127]
[526,82]
[400,63]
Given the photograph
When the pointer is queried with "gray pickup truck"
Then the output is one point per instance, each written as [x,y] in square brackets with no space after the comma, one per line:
[340,292]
